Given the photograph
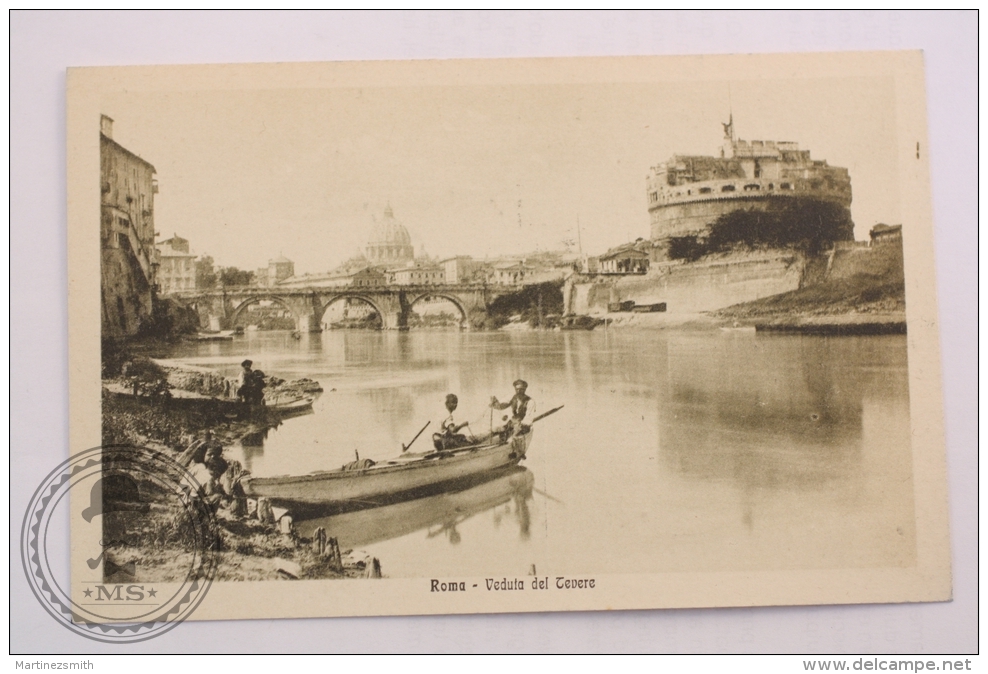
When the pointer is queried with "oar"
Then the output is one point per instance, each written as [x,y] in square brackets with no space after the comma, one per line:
[547,495]
[404,448]
[552,411]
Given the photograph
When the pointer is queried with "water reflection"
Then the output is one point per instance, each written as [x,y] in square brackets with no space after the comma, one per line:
[675,450]
[785,415]
[506,493]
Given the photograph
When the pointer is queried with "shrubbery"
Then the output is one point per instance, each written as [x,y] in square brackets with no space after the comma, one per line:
[806,225]
[533,303]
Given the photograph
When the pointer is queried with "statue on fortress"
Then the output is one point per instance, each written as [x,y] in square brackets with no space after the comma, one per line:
[728,128]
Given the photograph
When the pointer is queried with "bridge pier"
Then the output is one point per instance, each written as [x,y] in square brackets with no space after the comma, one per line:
[394,311]
[212,312]
[308,314]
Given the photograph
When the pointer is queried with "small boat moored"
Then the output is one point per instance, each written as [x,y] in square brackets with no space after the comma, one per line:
[219,336]
[285,405]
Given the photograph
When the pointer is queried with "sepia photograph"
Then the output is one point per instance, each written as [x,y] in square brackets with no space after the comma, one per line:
[488,336]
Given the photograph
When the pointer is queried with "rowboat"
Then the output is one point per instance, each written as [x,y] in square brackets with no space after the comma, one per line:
[220,336]
[373,483]
[436,512]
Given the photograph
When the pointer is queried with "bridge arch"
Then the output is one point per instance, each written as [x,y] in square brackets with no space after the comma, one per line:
[254,299]
[449,297]
[349,296]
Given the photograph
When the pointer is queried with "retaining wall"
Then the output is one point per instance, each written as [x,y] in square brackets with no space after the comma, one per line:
[695,287]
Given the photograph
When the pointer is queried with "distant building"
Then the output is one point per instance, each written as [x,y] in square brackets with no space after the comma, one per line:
[462,269]
[389,243]
[128,257]
[429,274]
[630,258]
[886,235]
[341,278]
[512,273]
[368,278]
[688,192]
[177,268]
[278,270]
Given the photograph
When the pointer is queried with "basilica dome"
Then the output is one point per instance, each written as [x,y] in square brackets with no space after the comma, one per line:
[389,242]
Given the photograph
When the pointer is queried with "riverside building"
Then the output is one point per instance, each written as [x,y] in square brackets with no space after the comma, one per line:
[128,264]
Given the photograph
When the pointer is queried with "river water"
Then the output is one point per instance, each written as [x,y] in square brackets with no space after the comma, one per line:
[675,451]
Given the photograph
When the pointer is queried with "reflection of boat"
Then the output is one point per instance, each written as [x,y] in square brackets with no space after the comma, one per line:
[440,511]
[220,336]
[367,481]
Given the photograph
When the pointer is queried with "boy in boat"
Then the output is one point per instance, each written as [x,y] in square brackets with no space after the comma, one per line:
[518,404]
[450,437]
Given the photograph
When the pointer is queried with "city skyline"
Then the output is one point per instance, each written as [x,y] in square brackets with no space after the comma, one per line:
[486,171]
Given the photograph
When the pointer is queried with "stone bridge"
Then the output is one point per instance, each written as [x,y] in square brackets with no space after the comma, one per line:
[220,309]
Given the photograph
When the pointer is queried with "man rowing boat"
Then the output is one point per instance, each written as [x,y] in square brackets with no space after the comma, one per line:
[518,404]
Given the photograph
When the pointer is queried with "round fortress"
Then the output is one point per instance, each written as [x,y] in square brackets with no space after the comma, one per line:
[688,192]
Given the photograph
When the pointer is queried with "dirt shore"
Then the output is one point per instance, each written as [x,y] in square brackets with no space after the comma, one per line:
[249,548]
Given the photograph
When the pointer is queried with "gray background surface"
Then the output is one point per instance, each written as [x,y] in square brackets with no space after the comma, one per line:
[43,44]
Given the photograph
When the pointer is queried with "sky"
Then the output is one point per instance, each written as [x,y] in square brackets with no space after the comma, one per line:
[481,170]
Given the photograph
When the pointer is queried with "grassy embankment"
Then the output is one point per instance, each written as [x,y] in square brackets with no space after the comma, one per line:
[856,296]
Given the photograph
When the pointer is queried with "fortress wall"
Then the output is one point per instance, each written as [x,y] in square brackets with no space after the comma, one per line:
[697,216]
[706,286]
[691,217]
[736,278]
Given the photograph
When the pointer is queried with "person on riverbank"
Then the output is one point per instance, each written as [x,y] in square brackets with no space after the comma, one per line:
[245,380]
[198,448]
[450,437]
[207,471]
[518,404]
[215,480]
[250,384]
[216,464]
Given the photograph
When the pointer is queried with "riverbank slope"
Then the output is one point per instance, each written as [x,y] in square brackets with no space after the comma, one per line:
[861,291]
[256,542]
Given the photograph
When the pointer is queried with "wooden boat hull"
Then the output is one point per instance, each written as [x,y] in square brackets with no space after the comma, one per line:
[390,479]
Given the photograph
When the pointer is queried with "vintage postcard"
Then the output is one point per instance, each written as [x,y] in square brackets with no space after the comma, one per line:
[495,336]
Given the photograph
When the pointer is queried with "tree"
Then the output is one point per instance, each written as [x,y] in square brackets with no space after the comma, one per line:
[205,274]
[805,224]
[808,225]
[231,276]
[688,247]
